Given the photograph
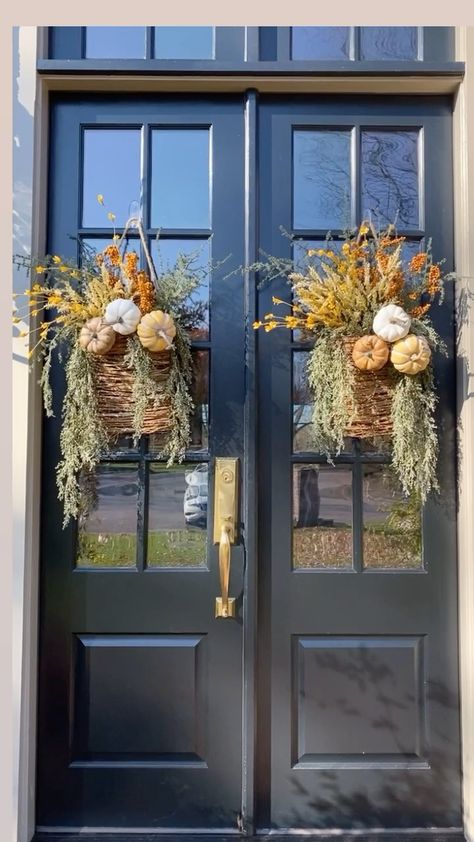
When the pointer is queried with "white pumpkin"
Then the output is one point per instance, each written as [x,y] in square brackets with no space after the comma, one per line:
[391,323]
[123,315]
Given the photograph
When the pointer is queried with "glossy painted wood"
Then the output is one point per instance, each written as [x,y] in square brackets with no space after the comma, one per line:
[362,680]
[140,698]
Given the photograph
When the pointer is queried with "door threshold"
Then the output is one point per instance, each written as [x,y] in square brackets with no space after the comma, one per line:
[393,835]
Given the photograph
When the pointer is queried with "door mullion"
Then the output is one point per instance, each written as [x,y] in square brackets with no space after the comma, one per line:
[357,511]
[142,505]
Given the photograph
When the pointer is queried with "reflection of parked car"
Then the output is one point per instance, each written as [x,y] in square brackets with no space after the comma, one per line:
[195,496]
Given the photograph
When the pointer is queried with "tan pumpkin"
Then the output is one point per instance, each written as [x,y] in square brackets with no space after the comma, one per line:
[411,354]
[97,337]
[370,353]
[156,331]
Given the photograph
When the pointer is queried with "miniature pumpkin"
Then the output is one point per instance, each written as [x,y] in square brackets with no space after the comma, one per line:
[411,354]
[123,315]
[156,331]
[96,337]
[370,353]
[391,323]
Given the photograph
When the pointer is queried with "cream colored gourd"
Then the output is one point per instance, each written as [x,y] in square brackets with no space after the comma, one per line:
[156,331]
[97,337]
[370,353]
[123,315]
[411,354]
[391,323]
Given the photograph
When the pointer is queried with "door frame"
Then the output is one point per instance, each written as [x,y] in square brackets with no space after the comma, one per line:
[28,452]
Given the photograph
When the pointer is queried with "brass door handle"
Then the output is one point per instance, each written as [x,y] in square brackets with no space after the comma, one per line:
[225,607]
[225,520]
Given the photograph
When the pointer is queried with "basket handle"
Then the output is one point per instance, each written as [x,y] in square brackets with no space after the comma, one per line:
[135,222]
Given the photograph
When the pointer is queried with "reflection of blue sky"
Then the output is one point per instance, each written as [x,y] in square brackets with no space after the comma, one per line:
[320,42]
[301,258]
[187,42]
[165,253]
[112,161]
[100,243]
[115,41]
[180,183]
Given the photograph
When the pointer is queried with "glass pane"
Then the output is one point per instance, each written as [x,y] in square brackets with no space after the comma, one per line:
[320,42]
[107,536]
[321,179]
[322,516]
[112,168]
[392,522]
[196,42]
[200,392]
[390,189]
[388,42]
[177,515]
[302,405]
[115,41]
[165,253]
[180,183]
[200,416]
[93,246]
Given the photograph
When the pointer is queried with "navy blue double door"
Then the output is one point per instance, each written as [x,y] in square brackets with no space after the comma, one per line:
[331,700]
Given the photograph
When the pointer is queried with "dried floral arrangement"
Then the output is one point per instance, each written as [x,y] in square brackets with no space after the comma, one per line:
[123,336]
[370,368]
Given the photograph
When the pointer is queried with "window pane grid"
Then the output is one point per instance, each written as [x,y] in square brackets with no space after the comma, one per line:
[360,43]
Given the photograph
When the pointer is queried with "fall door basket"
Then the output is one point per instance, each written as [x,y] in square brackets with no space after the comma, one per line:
[370,368]
[122,335]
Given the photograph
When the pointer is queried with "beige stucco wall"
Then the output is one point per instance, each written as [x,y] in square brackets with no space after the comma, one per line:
[30,144]
[25,446]
[464,250]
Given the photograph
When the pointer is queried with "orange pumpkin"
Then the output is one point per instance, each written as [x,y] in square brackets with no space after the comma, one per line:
[370,353]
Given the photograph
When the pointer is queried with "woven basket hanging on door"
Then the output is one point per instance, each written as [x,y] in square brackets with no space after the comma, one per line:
[371,410]
[114,384]
[114,380]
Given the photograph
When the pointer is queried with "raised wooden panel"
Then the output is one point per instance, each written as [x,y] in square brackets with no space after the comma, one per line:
[139,699]
[358,701]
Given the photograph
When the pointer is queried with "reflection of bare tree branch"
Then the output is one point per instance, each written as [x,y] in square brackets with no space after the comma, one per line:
[322,183]
[390,176]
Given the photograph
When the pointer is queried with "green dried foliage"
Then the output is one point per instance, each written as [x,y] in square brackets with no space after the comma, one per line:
[331,380]
[182,405]
[415,441]
[82,435]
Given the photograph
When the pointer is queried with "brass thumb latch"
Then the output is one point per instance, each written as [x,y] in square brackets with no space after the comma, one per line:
[225,525]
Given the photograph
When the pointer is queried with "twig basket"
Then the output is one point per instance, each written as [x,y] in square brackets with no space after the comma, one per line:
[371,409]
[114,389]
[114,380]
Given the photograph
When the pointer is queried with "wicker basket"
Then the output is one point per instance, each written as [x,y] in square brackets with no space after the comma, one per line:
[373,390]
[114,383]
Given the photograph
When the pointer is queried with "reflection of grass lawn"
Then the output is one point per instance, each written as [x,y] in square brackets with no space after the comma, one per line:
[323,546]
[174,548]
